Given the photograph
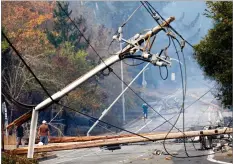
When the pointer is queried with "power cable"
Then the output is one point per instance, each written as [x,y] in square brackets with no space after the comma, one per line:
[49,94]
[161,73]
[191,46]
[108,66]
[181,47]
[131,16]
[163,123]
[72,109]
[123,24]
[15,102]
[27,66]
[153,15]
[169,25]
[187,107]
[184,88]
[124,82]
[133,65]
[56,102]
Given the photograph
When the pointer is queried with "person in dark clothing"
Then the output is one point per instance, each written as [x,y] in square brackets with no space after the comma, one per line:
[19,135]
[202,143]
[145,110]
[210,139]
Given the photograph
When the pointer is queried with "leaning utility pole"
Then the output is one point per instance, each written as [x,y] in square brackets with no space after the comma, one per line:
[127,51]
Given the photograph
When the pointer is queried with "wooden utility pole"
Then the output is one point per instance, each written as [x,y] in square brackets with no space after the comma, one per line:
[122,140]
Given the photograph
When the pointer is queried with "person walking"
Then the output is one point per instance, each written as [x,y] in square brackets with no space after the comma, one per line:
[145,110]
[19,135]
[44,133]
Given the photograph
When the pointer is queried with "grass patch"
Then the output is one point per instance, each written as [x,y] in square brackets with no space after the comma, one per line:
[16,159]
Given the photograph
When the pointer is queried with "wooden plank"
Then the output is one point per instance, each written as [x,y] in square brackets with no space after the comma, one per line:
[10,140]
[22,119]
[122,140]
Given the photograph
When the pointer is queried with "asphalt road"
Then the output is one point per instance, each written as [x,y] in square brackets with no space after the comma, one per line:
[136,154]
[198,114]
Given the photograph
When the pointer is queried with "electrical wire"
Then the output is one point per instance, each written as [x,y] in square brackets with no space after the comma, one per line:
[50,95]
[184,88]
[187,106]
[163,123]
[72,109]
[27,66]
[185,83]
[170,25]
[133,65]
[107,66]
[123,24]
[56,102]
[131,16]
[151,13]
[188,156]
[161,73]
[64,105]
[185,91]
[18,104]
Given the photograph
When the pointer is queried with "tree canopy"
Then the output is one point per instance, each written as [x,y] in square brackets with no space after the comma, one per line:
[64,30]
[214,52]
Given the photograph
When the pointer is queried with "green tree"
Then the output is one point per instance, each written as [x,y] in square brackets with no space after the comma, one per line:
[214,52]
[64,30]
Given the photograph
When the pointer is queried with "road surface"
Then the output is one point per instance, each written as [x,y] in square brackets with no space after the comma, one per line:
[198,114]
[135,154]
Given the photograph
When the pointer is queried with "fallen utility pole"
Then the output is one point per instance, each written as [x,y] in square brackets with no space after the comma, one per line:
[108,62]
[122,140]
[86,138]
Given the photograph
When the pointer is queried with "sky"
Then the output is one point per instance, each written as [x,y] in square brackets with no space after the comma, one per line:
[112,15]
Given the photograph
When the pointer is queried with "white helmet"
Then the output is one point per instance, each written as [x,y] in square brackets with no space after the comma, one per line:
[43,122]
